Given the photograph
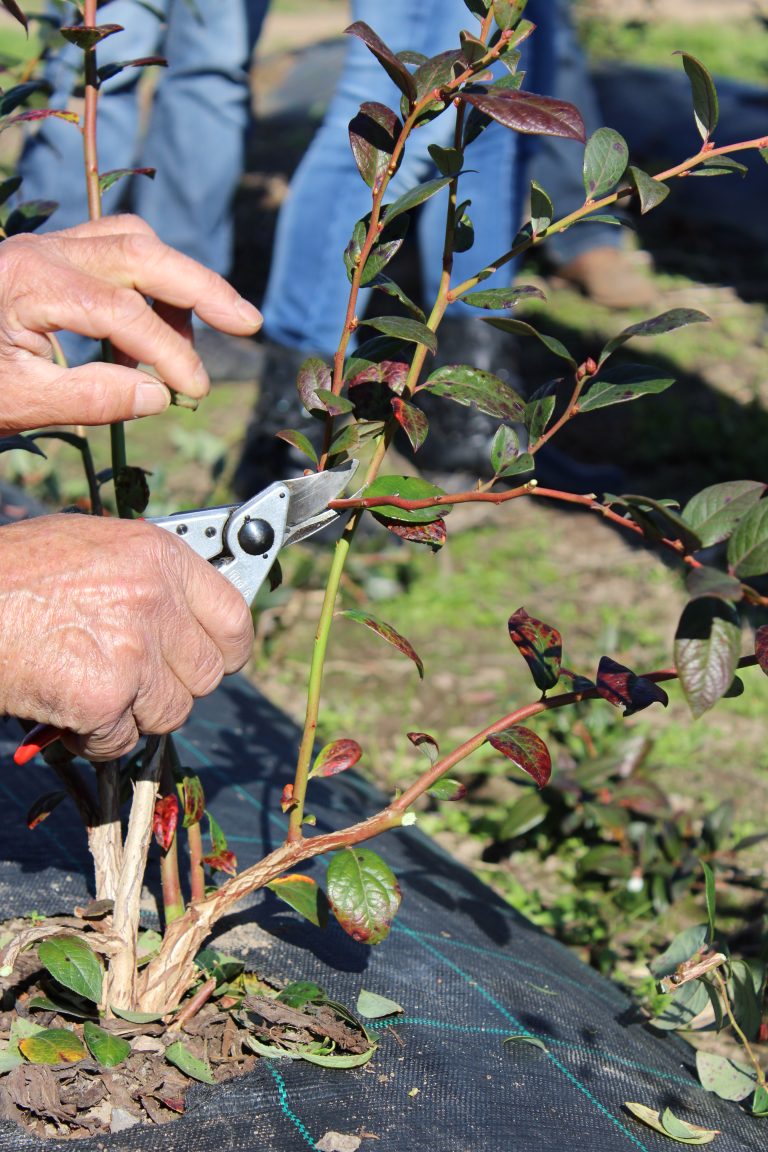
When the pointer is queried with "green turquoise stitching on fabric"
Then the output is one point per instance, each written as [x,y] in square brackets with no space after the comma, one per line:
[282,1096]
[525,1032]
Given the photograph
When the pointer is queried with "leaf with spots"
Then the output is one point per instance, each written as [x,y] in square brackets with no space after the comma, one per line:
[336,757]
[748,546]
[192,799]
[412,420]
[605,161]
[403,328]
[715,511]
[617,384]
[540,645]
[53,1046]
[475,388]
[388,633]
[503,297]
[363,893]
[623,688]
[304,895]
[525,749]
[434,534]
[73,964]
[655,326]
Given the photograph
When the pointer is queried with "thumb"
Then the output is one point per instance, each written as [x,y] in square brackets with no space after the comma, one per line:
[42,394]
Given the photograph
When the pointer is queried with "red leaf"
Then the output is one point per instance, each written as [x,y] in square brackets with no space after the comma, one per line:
[165,820]
[412,420]
[529,113]
[525,749]
[393,373]
[336,757]
[222,862]
[12,7]
[621,687]
[286,799]
[540,645]
[388,633]
[426,744]
[761,647]
[394,68]
[434,534]
[42,808]
[192,799]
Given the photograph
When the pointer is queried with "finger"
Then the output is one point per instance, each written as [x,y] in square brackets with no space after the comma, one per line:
[39,394]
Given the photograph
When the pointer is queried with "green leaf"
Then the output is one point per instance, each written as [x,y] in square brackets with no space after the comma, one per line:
[719,166]
[108,179]
[526,750]
[433,73]
[136,1017]
[707,649]
[413,197]
[53,1046]
[10,1058]
[523,1038]
[333,1061]
[540,645]
[407,488]
[660,518]
[617,384]
[374,1007]
[706,581]
[394,68]
[605,161]
[760,1101]
[302,992]
[333,404]
[710,895]
[526,813]
[299,441]
[403,328]
[538,413]
[304,895]
[73,964]
[503,297]
[745,986]
[728,1079]
[748,546]
[447,789]
[386,246]
[654,1119]
[715,511]
[656,326]
[477,389]
[87,36]
[373,134]
[705,103]
[363,893]
[8,187]
[388,633]
[528,112]
[520,328]
[181,1057]
[28,217]
[449,161]
[506,13]
[336,757]
[685,945]
[109,1050]
[192,798]
[390,288]
[542,210]
[650,192]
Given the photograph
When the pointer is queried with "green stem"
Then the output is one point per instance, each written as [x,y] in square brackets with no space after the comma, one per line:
[753,1059]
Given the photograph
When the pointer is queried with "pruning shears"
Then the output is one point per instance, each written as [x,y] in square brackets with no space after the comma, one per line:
[243,542]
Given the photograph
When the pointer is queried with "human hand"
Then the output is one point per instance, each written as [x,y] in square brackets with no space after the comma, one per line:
[94,280]
[111,628]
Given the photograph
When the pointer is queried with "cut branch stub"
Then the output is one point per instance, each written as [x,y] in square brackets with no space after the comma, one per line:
[540,645]
[373,134]
[388,633]
[525,749]
[529,113]
[336,757]
[623,688]
[363,893]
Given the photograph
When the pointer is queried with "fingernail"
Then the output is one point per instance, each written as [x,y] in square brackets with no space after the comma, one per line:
[249,313]
[150,398]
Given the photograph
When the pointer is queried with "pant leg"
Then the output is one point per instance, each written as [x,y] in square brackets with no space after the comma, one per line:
[308,287]
[197,128]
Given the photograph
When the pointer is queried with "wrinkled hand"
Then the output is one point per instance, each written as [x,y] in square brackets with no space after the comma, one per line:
[95,280]
[111,628]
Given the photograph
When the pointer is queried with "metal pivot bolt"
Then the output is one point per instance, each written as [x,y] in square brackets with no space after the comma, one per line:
[256,537]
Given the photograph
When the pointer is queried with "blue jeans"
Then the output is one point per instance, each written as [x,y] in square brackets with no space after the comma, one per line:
[308,287]
[195,134]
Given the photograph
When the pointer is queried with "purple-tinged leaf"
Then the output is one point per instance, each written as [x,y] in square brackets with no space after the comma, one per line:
[383,250]
[426,744]
[494,298]
[623,688]
[394,67]
[605,161]
[299,441]
[528,112]
[334,405]
[438,72]
[107,71]
[540,645]
[304,895]
[413,198]
[525,749]
[656,326]
[38,114]
[287,801]
[412,421]
[704,581]
[650,192]
[707,649]
[108,179]
[336,757]
[761,647]
[434,535]
[715,511]
[705,103]
[388,633]
[617,384]
[192,799]
[86,37]
[13,97]
[165,820]
[225,861]
[407,488]
[390,288]
[313,374]
[402,328]
[373,134]
[42,807]
[520,328]
[748,546]
[15,11]
[477,389]
[363,893]
[446,789]
[576,682]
